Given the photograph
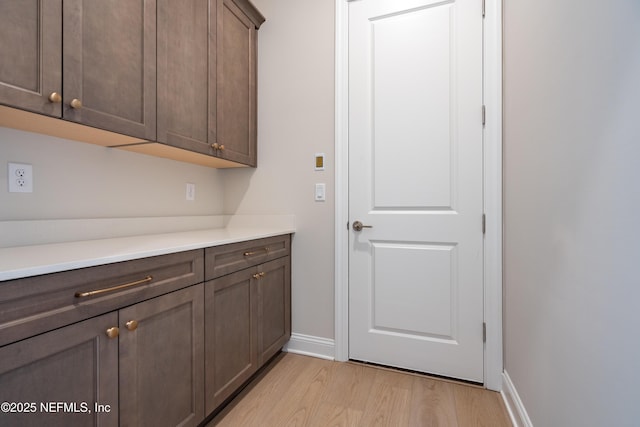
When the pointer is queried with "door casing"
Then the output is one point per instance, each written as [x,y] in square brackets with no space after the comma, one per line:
[492,166]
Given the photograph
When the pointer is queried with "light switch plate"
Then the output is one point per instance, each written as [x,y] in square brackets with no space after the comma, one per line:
[320,192]
[191,191]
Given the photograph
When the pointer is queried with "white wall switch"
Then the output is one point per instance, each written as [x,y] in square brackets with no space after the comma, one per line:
[320,192]
[20,177]
[191,191]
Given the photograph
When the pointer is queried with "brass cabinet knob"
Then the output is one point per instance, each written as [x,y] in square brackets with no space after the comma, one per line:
[75,103]
[221,147]
[55,98]
[113,332]
[215,146]
[132,325]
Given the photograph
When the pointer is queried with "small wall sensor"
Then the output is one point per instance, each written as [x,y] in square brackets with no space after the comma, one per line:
[319,161]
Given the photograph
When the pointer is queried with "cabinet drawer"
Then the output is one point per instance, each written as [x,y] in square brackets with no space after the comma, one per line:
[222,260]
[38,304]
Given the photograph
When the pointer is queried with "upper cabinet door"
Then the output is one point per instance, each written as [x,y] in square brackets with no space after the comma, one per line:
[30,64]
[109,60]
[186,100]
[236,81]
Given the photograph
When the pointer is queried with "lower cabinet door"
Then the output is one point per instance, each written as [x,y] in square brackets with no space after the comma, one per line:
[66,377]
[230,334]
[247,321]
[274,307]
[162,360]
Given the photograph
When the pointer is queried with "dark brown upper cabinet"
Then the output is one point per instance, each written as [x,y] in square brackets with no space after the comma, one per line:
[236,57]
[186,100]
[109,71]
[87,61]
[177,76]
[30,48]
[207,77]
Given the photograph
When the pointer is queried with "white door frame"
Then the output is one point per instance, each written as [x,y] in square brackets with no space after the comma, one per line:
[492,81]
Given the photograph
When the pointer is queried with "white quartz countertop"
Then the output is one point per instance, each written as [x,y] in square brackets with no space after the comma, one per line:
[24,261]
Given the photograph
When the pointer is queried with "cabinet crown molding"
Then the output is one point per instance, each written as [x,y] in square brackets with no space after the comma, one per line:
[250,10]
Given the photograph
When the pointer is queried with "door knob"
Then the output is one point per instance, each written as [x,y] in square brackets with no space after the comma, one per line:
[358,226]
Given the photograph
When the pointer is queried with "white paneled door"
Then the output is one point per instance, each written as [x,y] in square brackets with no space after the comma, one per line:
[415,177]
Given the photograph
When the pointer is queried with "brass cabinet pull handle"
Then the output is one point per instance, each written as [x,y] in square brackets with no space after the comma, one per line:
[75,104]
[113,288]
[217,146]
[132,325]
[113,332]
[259,275]
[55,98]
[257,252]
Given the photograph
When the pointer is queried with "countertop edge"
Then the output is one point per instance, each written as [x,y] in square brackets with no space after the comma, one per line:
[27,261]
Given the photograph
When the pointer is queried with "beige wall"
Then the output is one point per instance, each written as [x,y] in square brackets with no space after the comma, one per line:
[571,209]
[295,121]
[79,180]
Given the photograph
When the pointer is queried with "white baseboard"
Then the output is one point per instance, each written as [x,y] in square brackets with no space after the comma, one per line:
[308,345]
[515,407]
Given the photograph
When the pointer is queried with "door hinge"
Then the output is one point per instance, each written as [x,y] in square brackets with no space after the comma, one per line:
[484,115]
[484,331]
[483,7]
[484,223]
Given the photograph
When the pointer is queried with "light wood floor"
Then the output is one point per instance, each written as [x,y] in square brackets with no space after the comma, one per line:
[305,391]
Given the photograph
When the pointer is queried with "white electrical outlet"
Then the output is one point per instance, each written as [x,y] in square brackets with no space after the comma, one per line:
[20,177]
[191,191]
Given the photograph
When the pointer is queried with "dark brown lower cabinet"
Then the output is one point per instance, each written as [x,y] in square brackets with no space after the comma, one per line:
[150,372]
[247,321]
[154,346]
[231,339]
[274,308]
[162,360]
[58,378]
